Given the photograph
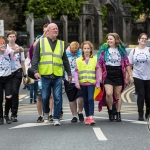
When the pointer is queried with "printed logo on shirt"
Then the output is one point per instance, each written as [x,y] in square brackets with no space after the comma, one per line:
[114,57]
[4,63]
[141,57]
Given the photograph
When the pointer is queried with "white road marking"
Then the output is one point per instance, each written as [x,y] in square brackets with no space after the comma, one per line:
[26,97]
[27,125]
[99,134]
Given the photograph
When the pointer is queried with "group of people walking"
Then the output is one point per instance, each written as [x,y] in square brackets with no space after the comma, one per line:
[82,72]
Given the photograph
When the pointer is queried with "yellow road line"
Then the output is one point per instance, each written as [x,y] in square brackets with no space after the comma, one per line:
[124,92]
[128,93]
[22,96]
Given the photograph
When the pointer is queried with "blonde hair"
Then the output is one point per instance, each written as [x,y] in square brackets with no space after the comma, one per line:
[91,47]
[74,45]
[116,37]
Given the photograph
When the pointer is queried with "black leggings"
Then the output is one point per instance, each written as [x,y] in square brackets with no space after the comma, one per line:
[143,91]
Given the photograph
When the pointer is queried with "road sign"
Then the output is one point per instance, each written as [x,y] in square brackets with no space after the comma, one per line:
[1,27]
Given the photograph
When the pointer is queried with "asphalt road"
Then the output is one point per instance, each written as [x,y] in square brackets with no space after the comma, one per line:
[26,134]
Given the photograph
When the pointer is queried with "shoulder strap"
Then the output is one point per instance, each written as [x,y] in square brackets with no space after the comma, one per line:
[133,51]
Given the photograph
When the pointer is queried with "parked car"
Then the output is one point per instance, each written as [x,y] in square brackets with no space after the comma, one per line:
[148,43]
[128,49]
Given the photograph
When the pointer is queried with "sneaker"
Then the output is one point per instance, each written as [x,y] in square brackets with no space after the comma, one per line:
[56,123]
[34,101]
[61,116]
[81,118]
[91,121]
[74,119]
[46,118]
[1,120]
[87,120]
[14,119]
[8,121]
[40,119]
[50,118]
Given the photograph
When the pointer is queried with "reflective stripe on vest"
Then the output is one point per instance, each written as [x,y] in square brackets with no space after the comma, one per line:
[51,62]
[86,71]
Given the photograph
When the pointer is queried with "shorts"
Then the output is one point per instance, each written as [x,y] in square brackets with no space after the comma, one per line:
[114,76]
[71,91]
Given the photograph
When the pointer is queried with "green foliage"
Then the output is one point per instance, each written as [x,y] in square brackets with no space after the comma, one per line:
[55,8]
[138,7]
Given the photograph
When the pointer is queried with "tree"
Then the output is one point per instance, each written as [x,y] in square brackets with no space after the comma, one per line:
[138,7]
[55,8]
[18,7]
[9,17]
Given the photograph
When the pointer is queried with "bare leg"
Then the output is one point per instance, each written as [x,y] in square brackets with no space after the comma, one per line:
[51,104]
[73,107]
[109,95]
[117,94]
[39,106]
[80,104]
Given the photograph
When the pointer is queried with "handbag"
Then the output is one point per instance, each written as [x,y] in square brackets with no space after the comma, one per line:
[31,73]
[98,93]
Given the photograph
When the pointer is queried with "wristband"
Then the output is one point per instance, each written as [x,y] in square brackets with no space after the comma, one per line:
[24,75]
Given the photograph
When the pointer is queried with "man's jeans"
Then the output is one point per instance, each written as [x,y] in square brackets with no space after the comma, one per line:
[56,85]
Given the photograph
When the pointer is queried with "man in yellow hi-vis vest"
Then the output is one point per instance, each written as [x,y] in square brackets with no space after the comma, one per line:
[48,61]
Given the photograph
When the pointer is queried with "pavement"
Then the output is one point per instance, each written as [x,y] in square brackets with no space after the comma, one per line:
[26,134]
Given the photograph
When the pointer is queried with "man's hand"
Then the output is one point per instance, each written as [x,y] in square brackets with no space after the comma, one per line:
[69,79]
[37,75]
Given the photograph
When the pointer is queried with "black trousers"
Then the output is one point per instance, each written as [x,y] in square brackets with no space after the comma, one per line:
[143,91]
[5,85]
[16,79]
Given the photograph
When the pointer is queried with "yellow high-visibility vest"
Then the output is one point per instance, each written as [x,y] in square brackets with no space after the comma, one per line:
[51,62]
[86,71]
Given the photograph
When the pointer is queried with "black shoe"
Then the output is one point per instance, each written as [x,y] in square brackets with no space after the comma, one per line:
[1,120]
[34,101]
[118,117]
[147,113]
[50,118]
[14,119]
[40,119]
[74,119]
[8,121]
[141,116]
[111,117]
[81,118]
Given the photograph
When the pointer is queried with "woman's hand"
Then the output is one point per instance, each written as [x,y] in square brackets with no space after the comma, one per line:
[78,86]
[131,79]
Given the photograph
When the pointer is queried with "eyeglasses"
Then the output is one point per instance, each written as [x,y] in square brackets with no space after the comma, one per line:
[144,38]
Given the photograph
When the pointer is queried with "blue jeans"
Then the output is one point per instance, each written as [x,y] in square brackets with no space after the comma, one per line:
[88,93]
[56,85]
[33,91]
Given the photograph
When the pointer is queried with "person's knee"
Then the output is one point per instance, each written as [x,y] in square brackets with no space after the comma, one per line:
[8,97]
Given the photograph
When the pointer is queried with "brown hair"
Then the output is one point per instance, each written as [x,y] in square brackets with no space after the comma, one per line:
[142,35]
[11,32]
[91,47]
[45,25]
[117,38]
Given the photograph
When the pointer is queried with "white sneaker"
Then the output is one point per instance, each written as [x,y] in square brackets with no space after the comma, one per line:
[46,118]
[56,123]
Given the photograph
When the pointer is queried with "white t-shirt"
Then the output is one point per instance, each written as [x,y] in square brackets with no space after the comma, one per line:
[15,61]
[5,66]
[141,63]
[114,57]
[27,63]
